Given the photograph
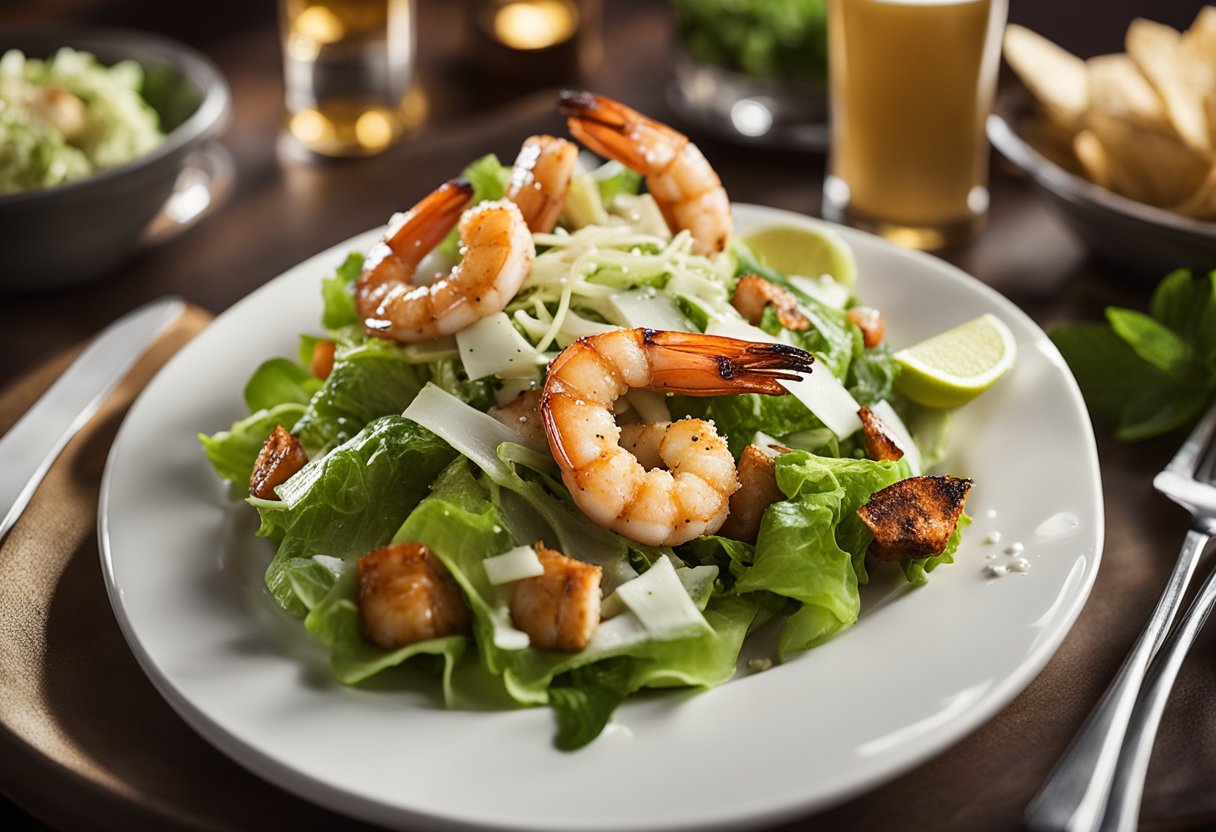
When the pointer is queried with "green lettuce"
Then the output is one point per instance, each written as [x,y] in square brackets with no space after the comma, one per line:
[351,500]
[338,293]
[812,546]
[233,452]
[461,524]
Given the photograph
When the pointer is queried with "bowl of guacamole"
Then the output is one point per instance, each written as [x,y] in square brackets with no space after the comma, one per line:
[95,126]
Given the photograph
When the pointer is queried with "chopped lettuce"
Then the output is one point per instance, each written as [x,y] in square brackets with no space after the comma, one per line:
[233,452]
[338,294]
[812,546]
[350,500]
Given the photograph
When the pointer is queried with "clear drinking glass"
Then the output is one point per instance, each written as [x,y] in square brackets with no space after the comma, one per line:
[348,66]
[911,84]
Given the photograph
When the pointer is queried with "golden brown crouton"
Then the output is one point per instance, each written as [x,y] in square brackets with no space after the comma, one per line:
[879,444]
[870,322]
[407,595]
[559,610]
[280,457]
[753,294]
[757,491]
[914,518]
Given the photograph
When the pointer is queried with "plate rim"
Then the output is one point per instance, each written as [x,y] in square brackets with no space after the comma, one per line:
[374,809]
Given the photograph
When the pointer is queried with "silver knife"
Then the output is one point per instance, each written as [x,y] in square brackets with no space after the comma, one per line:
[29,448]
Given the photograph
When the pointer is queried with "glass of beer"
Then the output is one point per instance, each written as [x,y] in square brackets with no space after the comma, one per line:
[911,85]
[348,67]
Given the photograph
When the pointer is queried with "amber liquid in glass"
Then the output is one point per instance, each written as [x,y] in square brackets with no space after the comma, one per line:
[348,72]
[912,83]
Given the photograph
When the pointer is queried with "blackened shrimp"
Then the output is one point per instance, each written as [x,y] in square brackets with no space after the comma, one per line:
[498,253]
[689,494]
[678,176]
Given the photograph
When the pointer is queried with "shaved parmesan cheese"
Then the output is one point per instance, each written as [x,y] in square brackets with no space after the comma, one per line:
[900,434]
[824,289]
[650,309]
[492,346]
[661,603]
[819,390]
[506,635]
[513,565]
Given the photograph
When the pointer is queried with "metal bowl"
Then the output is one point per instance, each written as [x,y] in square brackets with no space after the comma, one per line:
[80,231]
[1137,238]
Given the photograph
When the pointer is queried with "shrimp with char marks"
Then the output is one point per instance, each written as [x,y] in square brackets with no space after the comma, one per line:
[498,254]
[689,495]
[684,185]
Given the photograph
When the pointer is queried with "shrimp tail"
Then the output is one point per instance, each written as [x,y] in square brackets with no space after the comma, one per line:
[713,365]
[617,131]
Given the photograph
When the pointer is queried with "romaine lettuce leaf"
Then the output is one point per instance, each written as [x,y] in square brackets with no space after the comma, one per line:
[811,547]
[335,621]
[233,452]
[279,381]
[338,294]
[351,500]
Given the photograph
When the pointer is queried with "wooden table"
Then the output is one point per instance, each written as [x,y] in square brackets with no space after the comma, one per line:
[285,207]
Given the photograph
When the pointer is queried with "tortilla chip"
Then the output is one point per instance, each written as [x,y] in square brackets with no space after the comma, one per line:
[1055,77]
[1118,89]
[1148,166]
[1182,77]
[1095,162]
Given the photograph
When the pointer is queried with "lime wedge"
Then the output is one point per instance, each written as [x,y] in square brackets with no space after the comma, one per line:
[796,250]
[951,369]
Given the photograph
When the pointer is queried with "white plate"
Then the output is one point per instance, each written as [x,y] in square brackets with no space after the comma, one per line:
[920,669]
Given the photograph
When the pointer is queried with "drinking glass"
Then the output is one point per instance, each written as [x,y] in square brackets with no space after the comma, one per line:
[911,85]
[348,67]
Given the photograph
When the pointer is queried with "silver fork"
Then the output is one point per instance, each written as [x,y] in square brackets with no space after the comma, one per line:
[1190,482]
[1075,797]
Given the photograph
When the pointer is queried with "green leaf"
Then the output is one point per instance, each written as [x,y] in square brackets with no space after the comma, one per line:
[1153,342]
[1187,305]
[917,570]
[279,381]
[351,500]
[584,699]
[338,293]
[335,622]
[811,547]
[233,452]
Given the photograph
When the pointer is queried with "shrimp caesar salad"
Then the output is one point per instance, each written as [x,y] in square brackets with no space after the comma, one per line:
[563,436]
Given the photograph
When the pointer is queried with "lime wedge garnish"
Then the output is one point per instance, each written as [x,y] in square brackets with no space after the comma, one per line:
[795,250]
[951,369]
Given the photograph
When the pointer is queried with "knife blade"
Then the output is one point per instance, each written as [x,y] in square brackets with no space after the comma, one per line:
[32,445]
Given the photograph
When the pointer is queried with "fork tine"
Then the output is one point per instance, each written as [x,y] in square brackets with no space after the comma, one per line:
[1186,462]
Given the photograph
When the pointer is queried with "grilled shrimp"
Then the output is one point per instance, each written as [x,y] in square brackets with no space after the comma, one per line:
[689,497]
[406,595]
[560,609]
[498,253]
[540,179]
[521,414]
[681,180]
[754,294]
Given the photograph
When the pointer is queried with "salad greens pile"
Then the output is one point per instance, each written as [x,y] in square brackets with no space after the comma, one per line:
[67,117]
[1149,374]
[401,449]
[784,40]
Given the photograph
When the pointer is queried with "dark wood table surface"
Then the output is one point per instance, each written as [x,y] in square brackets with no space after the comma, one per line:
[285,207]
